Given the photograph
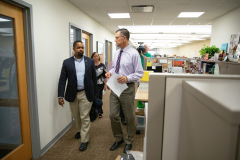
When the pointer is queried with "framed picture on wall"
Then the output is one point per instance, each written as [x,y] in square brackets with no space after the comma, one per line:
[100,50]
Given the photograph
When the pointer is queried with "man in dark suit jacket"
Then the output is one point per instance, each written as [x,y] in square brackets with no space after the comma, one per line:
[81,90]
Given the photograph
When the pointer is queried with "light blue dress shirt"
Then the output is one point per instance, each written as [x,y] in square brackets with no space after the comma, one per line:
[80,72]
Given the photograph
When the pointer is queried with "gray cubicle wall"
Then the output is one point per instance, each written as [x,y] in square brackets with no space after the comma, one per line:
[163,119]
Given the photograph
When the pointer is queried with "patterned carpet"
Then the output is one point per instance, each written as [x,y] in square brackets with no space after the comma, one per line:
[101,139]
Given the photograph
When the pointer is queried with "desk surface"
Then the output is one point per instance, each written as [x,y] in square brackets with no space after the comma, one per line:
[141,95]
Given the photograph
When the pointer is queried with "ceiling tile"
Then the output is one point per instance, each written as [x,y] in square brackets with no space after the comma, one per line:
[142,19]
[166,15]
[81,3]
[214,14]
[143,15]
[124,21]
[169,8]
[176,2]
[163,19]
[116,9]
[109,25]
[184,19]
[204,19]
[111,2]
[205,1]
[142,22]
[161,22]
[179,23]
[198,8]
[200,22]
[142,2]
[227,5]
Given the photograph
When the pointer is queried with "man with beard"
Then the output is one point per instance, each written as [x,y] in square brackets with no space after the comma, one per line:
[81,90]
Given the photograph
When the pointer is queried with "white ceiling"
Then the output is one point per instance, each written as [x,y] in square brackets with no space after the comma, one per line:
[165,13]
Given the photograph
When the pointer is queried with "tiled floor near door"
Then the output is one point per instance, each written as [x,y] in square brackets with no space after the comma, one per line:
[101,139]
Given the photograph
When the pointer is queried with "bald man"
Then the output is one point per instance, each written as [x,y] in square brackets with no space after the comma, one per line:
[145,55]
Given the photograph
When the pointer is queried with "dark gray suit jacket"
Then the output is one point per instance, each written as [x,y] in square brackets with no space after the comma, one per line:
[69,73]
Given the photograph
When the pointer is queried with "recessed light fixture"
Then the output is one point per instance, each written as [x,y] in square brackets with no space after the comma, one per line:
[190,14]
[119,15]
[4,20]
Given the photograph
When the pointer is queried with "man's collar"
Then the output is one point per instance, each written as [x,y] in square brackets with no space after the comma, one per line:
[124,49]
[78,59]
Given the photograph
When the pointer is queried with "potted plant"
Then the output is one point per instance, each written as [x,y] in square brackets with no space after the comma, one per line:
[208,52]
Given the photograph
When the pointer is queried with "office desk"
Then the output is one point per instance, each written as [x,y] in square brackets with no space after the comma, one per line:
[141,95]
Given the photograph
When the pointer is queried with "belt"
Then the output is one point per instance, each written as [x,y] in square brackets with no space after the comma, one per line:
[130,83]
[80,90]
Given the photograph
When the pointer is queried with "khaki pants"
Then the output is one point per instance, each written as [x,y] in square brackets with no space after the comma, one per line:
[126,100]
[80,109]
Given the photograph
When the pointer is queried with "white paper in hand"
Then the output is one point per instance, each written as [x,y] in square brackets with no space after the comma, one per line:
[116,87]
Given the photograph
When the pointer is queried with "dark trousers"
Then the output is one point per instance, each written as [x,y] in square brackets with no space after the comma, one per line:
[126,100]
[121,113]
[100,95]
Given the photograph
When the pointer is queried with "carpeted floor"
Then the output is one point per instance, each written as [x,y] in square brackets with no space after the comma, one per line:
[101,139]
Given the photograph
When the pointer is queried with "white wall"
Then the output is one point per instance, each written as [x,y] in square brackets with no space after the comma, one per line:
[167,51]
[51,39]
[187,49]
[224,26]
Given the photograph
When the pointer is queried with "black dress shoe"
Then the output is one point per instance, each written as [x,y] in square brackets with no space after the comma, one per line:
[77,136]
[123,121]
[127,147]
[116,145]
[83,146]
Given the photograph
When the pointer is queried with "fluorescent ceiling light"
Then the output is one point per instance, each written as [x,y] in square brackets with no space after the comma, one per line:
[4,20]
[190,14]
[119,15]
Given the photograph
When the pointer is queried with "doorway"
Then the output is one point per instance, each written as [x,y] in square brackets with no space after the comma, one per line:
[108,53]
[86,43]
[15,134]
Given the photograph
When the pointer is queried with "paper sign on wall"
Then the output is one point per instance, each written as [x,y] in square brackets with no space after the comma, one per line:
[192,54]
[163,60]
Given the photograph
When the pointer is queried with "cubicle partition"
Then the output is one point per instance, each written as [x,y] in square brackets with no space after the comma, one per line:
[164,113]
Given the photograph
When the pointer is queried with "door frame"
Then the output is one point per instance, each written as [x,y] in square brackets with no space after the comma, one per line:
[31,76]
[107,52]
[79,35]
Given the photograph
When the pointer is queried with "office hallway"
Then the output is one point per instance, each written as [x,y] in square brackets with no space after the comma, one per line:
[101,139]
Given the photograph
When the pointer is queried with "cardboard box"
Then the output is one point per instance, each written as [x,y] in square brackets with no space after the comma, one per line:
[139,112]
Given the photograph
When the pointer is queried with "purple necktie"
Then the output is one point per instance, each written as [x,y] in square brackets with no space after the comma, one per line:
[118,62]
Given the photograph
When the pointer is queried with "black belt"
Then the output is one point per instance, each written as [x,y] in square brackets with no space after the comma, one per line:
[80,90]
[130,83]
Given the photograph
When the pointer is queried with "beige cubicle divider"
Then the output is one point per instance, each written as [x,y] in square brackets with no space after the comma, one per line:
[210,120]
[164,108]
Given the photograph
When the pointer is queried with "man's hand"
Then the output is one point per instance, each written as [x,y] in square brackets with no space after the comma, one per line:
[105,87]
[143,55]
[61,102]
[108,74]
[122,79]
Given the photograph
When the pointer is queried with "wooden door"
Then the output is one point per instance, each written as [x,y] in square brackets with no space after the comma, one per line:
[15,138]
[86,38]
